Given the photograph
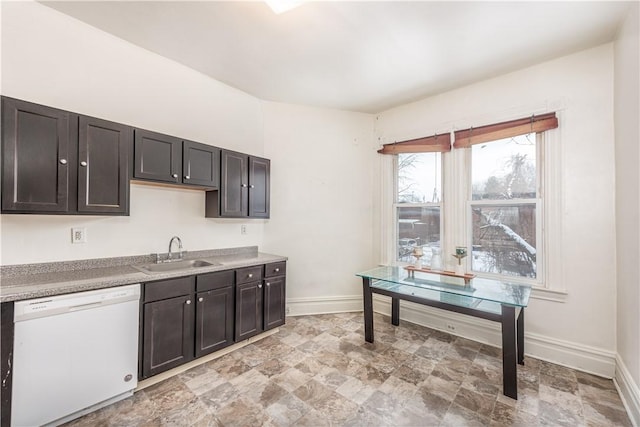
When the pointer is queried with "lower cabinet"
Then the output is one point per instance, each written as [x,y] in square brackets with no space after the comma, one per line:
[214,312]
[274,294]
[167,325]
[274,306]
[260,299]
[189,317]
[6,361]
[248,302]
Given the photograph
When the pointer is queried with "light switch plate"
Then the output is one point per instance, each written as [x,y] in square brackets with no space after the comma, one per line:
[78,235]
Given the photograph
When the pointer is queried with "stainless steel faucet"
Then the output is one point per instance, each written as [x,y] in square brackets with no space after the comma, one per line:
[169,255]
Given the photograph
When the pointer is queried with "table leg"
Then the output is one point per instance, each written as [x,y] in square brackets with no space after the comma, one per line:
[509,352]
[368,309]
[395,311]
[520,337]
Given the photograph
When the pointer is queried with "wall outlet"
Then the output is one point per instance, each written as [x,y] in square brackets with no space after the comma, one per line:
[450,327]
[243,229]
[79,235]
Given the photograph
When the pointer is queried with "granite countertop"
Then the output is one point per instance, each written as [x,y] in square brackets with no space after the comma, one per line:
[26,281]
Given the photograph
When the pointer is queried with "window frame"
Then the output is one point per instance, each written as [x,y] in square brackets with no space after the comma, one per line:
[396,205]
[538,201]
[455,220]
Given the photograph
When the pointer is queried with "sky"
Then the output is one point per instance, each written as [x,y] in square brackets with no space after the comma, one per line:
[488,160]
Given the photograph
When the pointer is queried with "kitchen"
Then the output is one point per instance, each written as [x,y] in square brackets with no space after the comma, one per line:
[316,220]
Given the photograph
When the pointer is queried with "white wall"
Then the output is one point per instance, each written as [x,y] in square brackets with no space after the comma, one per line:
[53,59]
[580,88]
[321,203]
[627,142]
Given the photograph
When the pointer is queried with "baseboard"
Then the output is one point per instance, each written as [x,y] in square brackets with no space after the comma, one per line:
[584,358]
[322,305]
[628,390]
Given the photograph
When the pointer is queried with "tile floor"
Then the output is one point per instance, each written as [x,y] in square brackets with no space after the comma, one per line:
[318,371]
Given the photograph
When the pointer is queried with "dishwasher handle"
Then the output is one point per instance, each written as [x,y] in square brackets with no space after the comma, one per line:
[85,306]
[60,304]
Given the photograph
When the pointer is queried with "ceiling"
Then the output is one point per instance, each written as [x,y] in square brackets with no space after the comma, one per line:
[353,55]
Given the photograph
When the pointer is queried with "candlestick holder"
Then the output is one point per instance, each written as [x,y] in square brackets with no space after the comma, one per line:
[461,252]
[417,253]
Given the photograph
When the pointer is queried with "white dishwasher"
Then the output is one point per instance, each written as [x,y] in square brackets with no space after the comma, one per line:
[73,353]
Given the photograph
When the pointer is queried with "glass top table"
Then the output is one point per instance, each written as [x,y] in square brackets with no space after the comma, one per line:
[400,280]
[485,298]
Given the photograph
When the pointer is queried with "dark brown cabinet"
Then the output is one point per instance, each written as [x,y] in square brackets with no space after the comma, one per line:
[167,325]
[244,187]
[6,370]
[103,166]
[36,157]
[157,157]
[57,162]
[248,302]
[260,303]
[200,164]
[274,295]
[189,317]
[259,177]
[164,158]
[214,312]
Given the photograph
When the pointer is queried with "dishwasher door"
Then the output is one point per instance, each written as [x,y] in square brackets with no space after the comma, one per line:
[73,352]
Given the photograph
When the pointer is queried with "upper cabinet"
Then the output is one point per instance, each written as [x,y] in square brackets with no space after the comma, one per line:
[200,164]
[167,159]
[244,187]
[103,171]
[58,162]
[259,177]
[157,157]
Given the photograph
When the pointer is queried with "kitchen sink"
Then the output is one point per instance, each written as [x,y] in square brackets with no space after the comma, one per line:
[175,265]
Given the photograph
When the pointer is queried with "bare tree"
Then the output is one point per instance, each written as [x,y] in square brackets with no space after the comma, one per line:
[507,236]
[406,163]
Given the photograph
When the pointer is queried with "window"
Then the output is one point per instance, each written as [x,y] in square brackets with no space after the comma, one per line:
[504,207]
[486,195]
[417,207]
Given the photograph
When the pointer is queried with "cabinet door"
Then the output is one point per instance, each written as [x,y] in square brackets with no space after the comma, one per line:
[214,320]
[274,302]
[234,187]
[103,166]
[259,177]
[248,310]
[37,157]
[158,157]
[6,371]
[167,334]
[200,164]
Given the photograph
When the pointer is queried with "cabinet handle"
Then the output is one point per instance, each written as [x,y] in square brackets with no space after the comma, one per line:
[250,275]
[188,301]
[268,284]
[187,177]
[83,163]
[200,299]
[259,286]
[276,270]
[175,175]
[252,186]
[63,161]
[243,185]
